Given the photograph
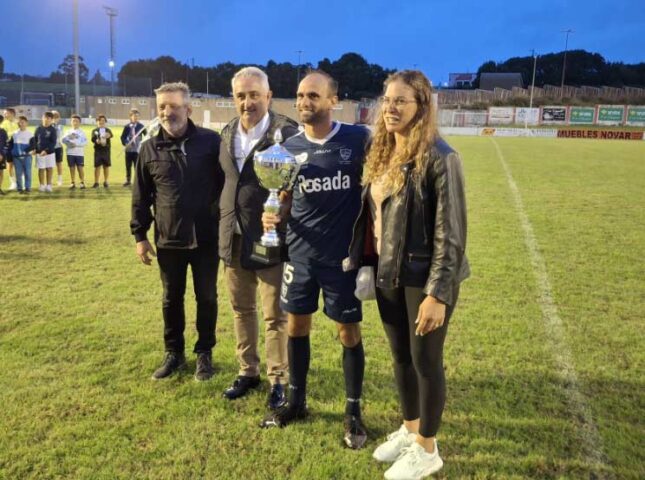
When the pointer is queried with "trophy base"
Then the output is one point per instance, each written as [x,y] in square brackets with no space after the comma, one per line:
[268,255]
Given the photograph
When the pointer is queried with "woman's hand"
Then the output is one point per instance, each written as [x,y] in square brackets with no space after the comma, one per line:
[431,316]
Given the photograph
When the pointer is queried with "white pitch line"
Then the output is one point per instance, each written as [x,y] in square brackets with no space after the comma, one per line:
[593,446]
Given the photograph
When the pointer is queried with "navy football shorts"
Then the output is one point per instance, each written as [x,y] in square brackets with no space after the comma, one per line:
[75,161]
[301,286]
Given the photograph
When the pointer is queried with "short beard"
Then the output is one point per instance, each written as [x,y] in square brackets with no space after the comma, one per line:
[174,124]
[315,118]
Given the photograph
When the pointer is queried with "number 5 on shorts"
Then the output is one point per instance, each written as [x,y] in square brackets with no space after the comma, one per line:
[287,275]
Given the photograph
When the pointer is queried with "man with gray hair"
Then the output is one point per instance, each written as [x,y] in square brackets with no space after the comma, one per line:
[241,209]
[178,175]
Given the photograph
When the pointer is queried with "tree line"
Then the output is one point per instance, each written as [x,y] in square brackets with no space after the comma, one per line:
[582,68]
[357,77]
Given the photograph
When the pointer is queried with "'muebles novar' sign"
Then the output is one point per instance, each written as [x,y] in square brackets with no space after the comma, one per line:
[600,134]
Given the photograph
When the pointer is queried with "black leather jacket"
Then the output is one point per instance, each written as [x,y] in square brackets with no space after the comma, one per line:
[181,180]
[243,197]
[423,234]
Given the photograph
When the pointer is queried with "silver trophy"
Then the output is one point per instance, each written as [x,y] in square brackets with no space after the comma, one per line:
[274,168]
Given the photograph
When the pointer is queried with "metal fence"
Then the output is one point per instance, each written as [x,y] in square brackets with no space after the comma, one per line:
[633,95]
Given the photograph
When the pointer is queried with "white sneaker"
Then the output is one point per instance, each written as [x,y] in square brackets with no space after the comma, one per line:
[60,180]
[48,189]
[12,185]
[415,463]
[390,450]
[41,188]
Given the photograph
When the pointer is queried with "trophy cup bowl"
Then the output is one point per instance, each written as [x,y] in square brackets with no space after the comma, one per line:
[274,168]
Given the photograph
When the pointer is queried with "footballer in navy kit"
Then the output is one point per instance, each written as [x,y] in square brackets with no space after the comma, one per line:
[324,205]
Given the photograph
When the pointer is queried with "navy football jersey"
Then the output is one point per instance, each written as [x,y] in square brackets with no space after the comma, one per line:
[326,193]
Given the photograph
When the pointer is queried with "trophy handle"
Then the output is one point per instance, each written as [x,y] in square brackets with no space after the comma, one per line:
[288,185]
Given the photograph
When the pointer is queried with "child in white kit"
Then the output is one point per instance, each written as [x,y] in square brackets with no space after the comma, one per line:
[75,141]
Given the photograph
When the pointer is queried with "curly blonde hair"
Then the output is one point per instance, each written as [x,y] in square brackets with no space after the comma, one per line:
[382,161]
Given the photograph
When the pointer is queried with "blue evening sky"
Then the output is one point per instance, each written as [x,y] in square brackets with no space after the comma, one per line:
[436,36]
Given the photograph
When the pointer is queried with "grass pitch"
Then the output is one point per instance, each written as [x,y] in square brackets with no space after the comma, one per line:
[81,332]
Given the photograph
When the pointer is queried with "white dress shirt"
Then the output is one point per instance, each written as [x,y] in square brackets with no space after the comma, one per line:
[245,141]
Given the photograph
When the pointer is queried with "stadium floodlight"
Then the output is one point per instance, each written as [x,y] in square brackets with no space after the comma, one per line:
[77,77]
[526,118]
[299,52]
[111,12]
[564,60]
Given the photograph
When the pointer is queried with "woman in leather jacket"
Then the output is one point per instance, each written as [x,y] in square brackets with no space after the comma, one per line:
[413,226]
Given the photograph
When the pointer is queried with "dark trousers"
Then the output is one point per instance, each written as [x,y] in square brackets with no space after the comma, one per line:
[173,266]
[417,360]
[130,163]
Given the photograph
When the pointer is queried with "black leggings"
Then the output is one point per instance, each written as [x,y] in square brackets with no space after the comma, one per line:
[418,360]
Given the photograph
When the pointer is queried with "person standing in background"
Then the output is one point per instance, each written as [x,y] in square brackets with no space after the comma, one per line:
[44,145]
[10,126]
[101,137]
[131,138]
[75,140]
[58,151]
[21,144]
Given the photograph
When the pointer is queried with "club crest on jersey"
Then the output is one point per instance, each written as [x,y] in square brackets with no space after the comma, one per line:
[345,153]
[301,158]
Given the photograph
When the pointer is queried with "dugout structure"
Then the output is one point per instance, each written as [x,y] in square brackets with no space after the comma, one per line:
[37,98]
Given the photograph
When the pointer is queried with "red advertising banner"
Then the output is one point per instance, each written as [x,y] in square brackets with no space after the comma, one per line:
[600,134]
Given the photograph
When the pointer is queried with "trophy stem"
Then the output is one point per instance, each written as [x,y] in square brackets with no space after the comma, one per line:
[272,205]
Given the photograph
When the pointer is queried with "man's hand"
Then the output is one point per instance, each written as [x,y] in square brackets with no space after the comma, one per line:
[286,198]
[270,220]
[143,249]
[431,316]
[43,153]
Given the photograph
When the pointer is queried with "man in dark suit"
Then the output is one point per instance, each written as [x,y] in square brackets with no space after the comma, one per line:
[241,209]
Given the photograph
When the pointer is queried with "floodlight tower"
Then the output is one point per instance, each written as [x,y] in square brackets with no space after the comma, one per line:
[526,119]
[564,60]
[299,52]
[111,12]
[77,81]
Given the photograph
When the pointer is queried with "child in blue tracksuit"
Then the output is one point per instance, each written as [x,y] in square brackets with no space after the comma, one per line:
[21,144]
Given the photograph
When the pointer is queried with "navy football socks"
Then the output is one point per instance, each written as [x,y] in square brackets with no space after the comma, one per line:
[298,349]
[354,369]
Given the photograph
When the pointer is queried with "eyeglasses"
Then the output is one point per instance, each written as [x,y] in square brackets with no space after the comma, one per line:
[397,102]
